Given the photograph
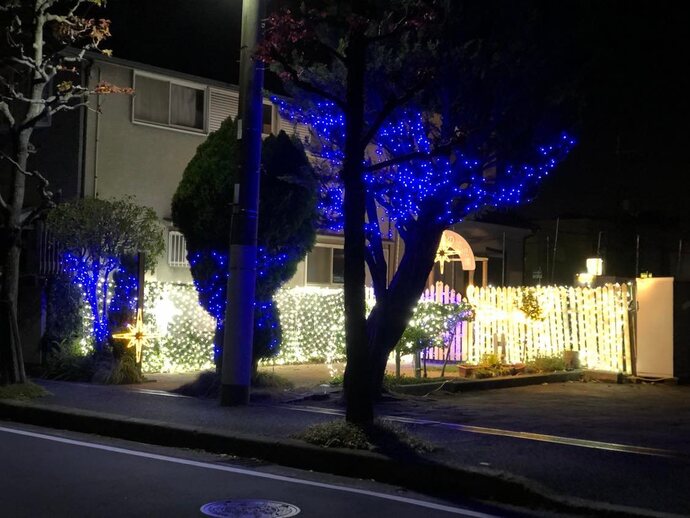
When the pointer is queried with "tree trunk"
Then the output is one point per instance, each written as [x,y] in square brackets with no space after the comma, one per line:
[357,383]
[11,356]
[390,315]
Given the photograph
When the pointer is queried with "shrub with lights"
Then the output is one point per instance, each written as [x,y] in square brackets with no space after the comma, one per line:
[202,207]
[96,236]
[184,329]
[432,324]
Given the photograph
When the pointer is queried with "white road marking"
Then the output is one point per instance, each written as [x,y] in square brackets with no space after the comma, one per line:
[540,437]
[154,392]
[250,473]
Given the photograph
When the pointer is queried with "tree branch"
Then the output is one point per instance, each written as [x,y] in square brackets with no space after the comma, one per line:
[377,261]
[5,111]
[330,50]
[388,108]
[306,85]
[445,149]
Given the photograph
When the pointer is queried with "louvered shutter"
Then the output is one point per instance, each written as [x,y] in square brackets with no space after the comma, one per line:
[222,104]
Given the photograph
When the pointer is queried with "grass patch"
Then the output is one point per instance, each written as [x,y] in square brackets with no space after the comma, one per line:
[336,380]
[390,381]
[271,380]
[207,384]
[22,391]
[382,436]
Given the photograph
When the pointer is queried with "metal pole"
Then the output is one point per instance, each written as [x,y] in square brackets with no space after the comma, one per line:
[141,277]
[141,280]
[599,243]
[503,261]
[679,262]
[547,277]
[555,247]
[239,314]
[637,255]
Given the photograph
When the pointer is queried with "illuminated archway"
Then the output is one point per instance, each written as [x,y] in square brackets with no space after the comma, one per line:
[453,247]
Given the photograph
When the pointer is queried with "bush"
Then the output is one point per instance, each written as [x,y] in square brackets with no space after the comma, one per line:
[67,363]
[64,321]
[118,371]
[545,364]
[287,221]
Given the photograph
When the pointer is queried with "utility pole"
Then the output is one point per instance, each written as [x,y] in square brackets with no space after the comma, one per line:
[555,248]
[239,313]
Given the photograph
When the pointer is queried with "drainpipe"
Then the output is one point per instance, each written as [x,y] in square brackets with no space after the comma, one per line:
[555,249]
[83,125]
[98,139]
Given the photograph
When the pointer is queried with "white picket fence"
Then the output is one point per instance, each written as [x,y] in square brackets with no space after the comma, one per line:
[592,321]
[442,294]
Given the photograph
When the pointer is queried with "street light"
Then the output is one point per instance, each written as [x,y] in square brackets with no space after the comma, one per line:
[239,313]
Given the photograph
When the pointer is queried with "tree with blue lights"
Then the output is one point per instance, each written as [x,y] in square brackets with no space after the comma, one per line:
[96,237]
[202,208]
[424,114]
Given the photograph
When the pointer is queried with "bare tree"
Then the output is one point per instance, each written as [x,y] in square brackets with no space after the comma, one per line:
[43,43]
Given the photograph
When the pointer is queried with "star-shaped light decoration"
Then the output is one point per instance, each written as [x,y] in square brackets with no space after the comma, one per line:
[445,253]
[137,336]
[453,247]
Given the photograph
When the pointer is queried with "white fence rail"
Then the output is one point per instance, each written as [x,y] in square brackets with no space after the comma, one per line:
[592,321]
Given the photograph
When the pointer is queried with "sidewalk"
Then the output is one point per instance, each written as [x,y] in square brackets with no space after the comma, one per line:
[470,463]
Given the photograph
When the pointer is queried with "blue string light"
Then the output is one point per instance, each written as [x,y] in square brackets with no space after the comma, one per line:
[94,276]
[443,187]
[210,281]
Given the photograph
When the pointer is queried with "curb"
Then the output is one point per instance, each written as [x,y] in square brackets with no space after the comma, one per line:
[522,380]
[413,472]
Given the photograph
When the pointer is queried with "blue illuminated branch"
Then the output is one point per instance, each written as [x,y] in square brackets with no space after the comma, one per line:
[420,179]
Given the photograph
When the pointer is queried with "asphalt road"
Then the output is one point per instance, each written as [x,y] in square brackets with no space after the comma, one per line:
[46,473]
[622,445]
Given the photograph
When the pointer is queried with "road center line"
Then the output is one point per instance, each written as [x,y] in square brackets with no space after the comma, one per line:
[250,473]
[531,436]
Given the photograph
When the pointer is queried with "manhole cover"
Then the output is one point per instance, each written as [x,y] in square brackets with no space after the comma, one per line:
[249,509]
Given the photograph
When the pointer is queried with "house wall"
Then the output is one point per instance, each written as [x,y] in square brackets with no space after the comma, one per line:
[58,155]
[126,157]
[130,158]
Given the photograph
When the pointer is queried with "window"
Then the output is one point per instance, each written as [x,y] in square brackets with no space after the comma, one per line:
[325,265]
[166,103]
[267,119]
[177,250]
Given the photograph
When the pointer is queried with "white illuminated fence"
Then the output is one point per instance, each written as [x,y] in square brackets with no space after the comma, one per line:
[592,321]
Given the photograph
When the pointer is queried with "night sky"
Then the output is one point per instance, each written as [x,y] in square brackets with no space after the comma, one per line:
[632,157]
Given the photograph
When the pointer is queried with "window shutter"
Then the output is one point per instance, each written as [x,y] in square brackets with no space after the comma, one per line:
[222,104]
